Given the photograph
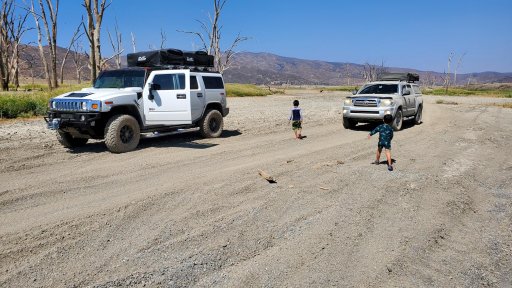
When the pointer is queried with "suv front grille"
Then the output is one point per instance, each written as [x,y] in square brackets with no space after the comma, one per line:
[366,103]
[68,105]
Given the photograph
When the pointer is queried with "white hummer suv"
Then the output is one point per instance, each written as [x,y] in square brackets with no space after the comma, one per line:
[127,102]
[396,94]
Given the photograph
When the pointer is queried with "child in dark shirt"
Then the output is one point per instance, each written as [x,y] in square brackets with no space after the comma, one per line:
[296,118]
[385,135]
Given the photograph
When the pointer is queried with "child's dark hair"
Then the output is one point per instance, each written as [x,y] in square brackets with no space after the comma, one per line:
[388,119]
[295,102]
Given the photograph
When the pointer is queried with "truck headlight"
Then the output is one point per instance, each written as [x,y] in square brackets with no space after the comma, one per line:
[348,102]
[83,106]
[386,102]
[53,105]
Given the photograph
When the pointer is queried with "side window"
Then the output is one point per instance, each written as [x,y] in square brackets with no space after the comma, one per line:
[403,89]
[416,89]
[169,81]
[193,83]
[212,82]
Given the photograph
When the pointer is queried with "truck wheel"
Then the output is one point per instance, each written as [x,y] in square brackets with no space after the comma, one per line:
[122,133]
[397,121]
[68,141]
[211,125]
[349,124]
[419,115]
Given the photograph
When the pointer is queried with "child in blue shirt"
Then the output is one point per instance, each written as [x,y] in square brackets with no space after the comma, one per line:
[385,135]
[296,118]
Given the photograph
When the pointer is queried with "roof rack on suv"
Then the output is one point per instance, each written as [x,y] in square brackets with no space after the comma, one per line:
[168,58]
[409,77]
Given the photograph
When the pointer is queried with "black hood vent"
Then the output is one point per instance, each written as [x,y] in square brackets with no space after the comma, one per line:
[78,95]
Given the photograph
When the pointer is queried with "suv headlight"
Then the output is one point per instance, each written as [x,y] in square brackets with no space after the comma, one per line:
[347,102]
[83,106]
[386,102]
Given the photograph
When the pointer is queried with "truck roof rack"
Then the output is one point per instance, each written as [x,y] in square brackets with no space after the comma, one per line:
[170,58]
[409,77]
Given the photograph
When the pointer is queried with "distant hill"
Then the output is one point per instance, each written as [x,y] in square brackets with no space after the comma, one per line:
[266,68]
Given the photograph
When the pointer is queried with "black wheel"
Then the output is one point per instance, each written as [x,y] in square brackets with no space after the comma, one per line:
[418,118]
[68,141]
[397,122]
[349,124]
[211,125]
[122,133]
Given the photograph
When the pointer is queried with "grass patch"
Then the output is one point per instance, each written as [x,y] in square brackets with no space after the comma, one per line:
[504,105]
[476,91]
[31,102]
[241,90]
[441,101]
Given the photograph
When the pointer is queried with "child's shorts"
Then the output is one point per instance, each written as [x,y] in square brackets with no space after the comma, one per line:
[296,125]
[384,144]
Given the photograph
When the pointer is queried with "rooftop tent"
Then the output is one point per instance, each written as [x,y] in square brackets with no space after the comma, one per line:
[169,57]
[409,77]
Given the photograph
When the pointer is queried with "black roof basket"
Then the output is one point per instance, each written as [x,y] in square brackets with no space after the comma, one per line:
[409,77]
[170,58]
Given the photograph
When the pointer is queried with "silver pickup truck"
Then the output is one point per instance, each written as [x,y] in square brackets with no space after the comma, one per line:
[396,94]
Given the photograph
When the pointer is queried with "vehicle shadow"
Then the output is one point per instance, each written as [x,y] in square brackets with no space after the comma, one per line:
[182,140]
[370,126]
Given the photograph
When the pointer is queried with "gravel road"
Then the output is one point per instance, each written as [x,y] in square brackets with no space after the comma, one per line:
[183,211]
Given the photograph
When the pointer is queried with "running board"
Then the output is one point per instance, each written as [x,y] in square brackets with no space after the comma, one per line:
[157,134]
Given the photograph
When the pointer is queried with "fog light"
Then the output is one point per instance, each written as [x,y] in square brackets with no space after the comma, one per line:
[345,111]
[387,112]
[82,118]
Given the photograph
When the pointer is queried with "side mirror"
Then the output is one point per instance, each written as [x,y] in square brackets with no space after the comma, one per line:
[354,92]
[406,92]
[151,87]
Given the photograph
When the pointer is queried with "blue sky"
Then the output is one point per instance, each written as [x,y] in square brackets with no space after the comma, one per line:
[411,34]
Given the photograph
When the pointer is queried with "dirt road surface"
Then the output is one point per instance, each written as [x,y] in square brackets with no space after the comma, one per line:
[183,211]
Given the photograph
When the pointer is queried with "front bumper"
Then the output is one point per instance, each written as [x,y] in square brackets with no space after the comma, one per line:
[367,113]
[83,124]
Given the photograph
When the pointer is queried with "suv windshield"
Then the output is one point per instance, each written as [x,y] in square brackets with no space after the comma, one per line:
[380,89]
[120,79]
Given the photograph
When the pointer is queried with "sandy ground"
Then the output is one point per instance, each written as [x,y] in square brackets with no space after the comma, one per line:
[185,211]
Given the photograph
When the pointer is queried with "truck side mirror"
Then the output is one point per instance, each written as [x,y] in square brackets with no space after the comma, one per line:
[151,87]
[406,92]
[354,92]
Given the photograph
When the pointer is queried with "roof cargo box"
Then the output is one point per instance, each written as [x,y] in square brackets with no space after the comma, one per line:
[409,77]
[169,57]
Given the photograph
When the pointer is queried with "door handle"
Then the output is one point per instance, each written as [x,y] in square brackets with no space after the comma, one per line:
[199,94]
[181,96]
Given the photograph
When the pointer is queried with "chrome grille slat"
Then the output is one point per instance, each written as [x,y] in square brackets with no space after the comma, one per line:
[366,103]
[68,105]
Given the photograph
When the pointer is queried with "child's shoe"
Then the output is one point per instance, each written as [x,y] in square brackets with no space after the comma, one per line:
[376,162]
[390,168]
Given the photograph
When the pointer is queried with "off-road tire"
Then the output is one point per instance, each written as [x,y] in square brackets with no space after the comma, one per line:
[68,141]
[398,120]
[349,124]
[211,125]
[418,118]
[122,133]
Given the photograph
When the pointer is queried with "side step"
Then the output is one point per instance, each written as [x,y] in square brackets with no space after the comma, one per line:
[157,134]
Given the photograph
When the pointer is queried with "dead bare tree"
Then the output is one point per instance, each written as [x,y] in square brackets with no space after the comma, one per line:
[211,43]
[134,46]
[12,27]
[78,59]
[117,45]
[163,38]
[5,42]
[75,37]
[459,63]
[372,72]
[94,11]
[446,75]
[50,32]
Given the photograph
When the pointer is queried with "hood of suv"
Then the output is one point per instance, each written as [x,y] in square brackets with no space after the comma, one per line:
[99,94]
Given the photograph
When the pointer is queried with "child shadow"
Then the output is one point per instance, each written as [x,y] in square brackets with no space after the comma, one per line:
[302,137]
[393,161]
